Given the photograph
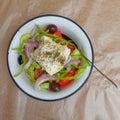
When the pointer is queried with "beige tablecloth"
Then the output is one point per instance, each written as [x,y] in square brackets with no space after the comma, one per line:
[98,99]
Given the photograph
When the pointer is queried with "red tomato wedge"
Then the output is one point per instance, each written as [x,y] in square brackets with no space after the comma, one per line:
[64,82]
[72,48]
[37,73]
[69,74]
[57,33]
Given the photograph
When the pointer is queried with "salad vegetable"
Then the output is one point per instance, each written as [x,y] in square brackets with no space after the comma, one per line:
[50,59]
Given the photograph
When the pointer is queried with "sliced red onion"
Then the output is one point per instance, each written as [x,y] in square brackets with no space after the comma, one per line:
[42,79]
[72,62]
[68,60]
[29,47]
[28,63]
[26,51]
[68,65]
[33,43]
[34,30]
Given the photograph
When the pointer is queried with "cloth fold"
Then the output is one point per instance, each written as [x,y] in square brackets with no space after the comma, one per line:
[98,99]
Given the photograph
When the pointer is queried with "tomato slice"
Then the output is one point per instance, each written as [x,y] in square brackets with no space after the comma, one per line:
[58,33]
[72,48]
[64,82]
[69,74]
[37,73]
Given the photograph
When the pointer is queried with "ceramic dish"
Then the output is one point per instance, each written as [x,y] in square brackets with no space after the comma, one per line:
[69,28]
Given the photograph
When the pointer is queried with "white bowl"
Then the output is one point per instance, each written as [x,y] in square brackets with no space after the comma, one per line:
[69,28]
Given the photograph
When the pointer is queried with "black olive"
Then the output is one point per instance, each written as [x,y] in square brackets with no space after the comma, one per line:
[54,87]
[20,61]
[52,28]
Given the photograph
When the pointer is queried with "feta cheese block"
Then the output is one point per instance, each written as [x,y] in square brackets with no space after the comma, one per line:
[50,55]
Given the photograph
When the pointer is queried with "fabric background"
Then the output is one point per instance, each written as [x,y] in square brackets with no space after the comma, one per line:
[98,99]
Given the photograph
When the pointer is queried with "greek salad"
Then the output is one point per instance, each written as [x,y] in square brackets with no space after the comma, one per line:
[50,59]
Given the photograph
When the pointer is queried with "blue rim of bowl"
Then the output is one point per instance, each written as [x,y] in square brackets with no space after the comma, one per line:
[52,15]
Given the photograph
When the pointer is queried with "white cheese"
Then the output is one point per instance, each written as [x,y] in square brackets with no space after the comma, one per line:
[50,55]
